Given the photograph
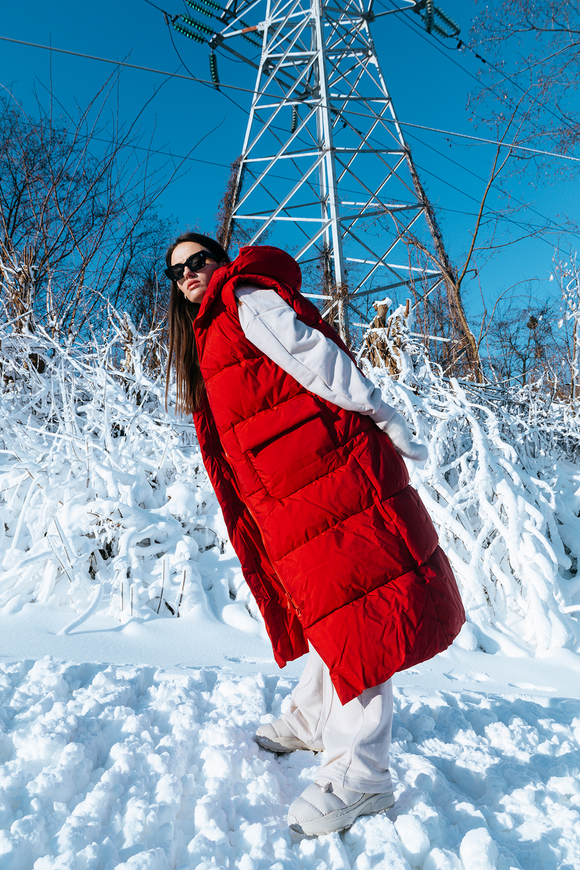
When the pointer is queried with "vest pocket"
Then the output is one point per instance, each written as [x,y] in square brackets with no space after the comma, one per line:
[286,445]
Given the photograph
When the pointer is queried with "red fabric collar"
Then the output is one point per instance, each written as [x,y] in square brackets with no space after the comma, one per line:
[256,263]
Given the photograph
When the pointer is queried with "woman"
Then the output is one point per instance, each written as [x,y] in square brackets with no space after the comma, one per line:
[335,545]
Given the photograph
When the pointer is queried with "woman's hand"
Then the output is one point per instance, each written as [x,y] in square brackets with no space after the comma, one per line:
[400,437]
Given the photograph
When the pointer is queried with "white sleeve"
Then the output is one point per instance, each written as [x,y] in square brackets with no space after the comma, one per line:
[314,360]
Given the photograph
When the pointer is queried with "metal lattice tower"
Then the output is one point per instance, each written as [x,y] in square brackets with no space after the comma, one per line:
[325,171]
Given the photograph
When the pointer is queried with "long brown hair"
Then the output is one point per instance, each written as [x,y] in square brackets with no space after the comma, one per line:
[182,354]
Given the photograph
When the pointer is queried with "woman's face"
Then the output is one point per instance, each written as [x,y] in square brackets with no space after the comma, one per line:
[193,285]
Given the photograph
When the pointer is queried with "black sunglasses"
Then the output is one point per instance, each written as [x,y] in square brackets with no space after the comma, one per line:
[193,263]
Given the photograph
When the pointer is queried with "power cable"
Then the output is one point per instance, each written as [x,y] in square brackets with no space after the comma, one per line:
[510,78]
[184,65]
[165,12]
[420,33]
[211,85]
[190,77]
[414,27]
[184,158]
[498,144]
[489,211]
[504,100]
[521,226]
[554,227]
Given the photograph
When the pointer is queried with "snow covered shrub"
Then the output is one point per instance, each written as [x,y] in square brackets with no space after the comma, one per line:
[101,487]
[502,484]
[567,274]
[102,490]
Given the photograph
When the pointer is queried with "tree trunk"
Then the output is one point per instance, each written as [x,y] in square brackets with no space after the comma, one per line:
[457,314]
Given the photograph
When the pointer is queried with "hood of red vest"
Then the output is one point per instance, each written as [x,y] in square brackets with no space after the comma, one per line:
[253,265]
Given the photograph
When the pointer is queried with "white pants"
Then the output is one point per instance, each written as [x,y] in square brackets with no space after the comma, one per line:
[356,737]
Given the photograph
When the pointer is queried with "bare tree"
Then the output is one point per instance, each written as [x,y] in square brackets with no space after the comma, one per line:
[226,232]
[442,312]
[524,344]
[77,218]
[535,47]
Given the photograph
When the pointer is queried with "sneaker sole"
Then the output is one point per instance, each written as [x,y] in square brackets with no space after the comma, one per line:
[281,748]
[339,820]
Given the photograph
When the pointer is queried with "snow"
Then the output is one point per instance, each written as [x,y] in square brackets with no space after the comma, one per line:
[134,666]
[136,766]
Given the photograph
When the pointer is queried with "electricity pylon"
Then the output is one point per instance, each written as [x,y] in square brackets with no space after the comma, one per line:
[325,170]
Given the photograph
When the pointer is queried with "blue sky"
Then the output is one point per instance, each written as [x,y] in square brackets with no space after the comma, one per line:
[429,81]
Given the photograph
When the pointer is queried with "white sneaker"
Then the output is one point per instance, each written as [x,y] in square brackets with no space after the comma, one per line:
[322,809]
[276,737]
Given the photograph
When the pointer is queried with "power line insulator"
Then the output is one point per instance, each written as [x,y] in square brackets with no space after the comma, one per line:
[428,18]
[189,33]
[252,41]
[212,5]
[448,21]
[197,25]
[214,70]
[447,26]
[294,123]
[197,7]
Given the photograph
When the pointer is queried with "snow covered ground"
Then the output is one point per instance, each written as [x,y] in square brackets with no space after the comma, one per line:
[134,766]
[126,734]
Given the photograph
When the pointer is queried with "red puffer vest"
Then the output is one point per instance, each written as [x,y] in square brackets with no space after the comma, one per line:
[335,545]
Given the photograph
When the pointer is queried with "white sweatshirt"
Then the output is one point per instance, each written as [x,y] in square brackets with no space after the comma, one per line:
[314,360]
